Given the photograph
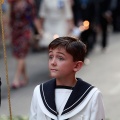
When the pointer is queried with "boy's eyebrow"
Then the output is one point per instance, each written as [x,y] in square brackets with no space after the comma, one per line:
[58,52]
[61,53]
[50,51]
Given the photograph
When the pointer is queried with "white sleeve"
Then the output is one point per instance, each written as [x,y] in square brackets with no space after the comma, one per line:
[33,108]
[97,110]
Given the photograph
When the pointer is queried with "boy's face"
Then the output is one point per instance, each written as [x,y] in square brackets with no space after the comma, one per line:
[61,64]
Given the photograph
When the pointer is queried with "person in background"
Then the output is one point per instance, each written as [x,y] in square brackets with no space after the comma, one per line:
[35,43]
[66,97]
[116,15]
[85,10]
[56,20]
[104,19]
[22,13]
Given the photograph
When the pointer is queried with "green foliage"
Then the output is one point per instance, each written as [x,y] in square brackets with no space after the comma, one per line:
[3,117]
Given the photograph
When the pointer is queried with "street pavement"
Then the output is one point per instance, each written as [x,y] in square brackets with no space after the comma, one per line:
[102,71]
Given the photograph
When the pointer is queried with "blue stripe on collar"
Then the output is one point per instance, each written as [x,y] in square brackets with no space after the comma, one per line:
[48,96]
[69,107]
[78,94]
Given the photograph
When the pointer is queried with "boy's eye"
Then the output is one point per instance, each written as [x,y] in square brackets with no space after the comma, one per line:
[50,57]
[60,58]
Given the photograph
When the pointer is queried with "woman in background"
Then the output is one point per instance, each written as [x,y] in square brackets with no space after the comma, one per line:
[22,14]
[56,20]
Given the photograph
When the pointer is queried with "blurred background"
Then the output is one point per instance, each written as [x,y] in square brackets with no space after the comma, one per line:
[30,25]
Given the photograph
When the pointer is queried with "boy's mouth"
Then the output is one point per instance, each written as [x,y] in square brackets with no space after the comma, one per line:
[53,69]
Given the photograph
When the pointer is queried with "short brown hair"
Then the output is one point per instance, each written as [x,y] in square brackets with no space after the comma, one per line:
[73,46]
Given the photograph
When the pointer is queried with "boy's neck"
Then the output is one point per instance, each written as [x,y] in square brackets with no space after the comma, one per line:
[65,82]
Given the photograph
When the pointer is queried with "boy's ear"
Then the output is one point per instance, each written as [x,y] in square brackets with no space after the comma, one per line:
[78,66]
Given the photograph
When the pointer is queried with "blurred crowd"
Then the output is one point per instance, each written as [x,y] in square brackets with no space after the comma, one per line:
[80,18]
[33,24]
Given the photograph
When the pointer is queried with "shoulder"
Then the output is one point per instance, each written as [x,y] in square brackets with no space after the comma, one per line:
[48,83]
[97,94]
[93,90]
[45,84]
[83,83]
[36,89]
[87,86]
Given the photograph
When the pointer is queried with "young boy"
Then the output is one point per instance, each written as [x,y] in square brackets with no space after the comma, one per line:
[66,97]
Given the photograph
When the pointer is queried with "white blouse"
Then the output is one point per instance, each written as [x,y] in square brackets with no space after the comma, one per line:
[61,97]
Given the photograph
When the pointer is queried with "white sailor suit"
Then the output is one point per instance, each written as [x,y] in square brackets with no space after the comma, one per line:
[84,102]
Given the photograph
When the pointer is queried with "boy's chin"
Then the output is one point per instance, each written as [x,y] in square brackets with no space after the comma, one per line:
[53,76]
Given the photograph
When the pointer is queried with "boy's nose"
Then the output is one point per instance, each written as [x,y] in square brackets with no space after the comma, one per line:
[53,61]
